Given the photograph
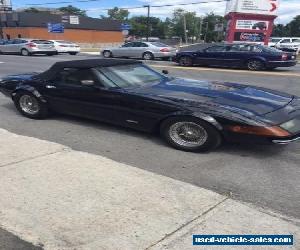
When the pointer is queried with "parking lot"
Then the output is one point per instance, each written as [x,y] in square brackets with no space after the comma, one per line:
[267,176]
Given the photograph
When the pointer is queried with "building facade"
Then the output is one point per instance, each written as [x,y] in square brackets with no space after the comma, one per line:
[76,28]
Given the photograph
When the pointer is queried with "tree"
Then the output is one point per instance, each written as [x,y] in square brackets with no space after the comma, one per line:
[139,26]
[72,10]
[294,26]
[31,10]
[116,14]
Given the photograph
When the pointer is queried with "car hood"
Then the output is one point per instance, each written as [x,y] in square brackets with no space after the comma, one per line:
[231,96]
[19,77]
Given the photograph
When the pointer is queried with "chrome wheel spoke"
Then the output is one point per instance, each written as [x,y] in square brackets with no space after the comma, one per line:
[29,104]
[188,134]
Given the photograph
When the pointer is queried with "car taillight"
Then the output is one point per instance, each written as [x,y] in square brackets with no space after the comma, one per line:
[31,45]
[284,57]
[165,50]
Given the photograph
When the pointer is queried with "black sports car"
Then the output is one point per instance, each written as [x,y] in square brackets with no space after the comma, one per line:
[190,115]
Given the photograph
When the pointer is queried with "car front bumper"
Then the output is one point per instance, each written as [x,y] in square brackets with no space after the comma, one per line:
[286,141]
[164,54]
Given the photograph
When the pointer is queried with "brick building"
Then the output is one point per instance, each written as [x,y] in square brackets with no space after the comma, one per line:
[34,25]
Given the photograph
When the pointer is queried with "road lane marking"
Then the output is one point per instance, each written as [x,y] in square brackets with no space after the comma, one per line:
[1,62]
[228,70]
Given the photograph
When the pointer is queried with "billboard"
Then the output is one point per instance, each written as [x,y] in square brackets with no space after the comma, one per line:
[5,5]
[252,25]
[249,37]
[261,7]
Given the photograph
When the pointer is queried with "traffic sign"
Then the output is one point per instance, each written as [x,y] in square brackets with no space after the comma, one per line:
[56,28]
[125,26]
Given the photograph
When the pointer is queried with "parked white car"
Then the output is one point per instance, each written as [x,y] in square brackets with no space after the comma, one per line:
[291,43]
[66,47]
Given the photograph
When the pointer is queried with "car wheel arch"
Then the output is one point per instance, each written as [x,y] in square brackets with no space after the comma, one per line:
[28,89]
[204,117]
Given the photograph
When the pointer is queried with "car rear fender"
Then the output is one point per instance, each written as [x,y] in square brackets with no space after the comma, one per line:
[260,58]
[30,89]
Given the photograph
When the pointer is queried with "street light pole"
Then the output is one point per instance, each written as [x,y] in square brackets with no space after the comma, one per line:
[184,27]
[148,21]
[200,28]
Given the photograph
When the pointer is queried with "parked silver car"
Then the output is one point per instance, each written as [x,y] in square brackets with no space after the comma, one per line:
[144,50]
[27,47]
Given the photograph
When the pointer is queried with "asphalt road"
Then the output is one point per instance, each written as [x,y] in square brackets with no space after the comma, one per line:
[267,176]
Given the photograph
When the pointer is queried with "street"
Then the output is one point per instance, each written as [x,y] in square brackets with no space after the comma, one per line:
[266,176]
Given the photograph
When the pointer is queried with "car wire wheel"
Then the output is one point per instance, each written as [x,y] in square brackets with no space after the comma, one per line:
[107,54]
[148,56]
[255,65]
[25,52]
[29,104]
[186,61]
[188,134]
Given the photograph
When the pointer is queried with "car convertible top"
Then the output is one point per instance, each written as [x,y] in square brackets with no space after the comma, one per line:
[83,64]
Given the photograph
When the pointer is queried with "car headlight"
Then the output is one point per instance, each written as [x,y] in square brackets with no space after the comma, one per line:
[292,126]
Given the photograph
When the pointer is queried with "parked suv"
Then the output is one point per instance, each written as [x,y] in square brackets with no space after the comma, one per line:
[27,47]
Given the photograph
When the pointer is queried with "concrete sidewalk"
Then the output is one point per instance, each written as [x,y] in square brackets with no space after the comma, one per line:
[53,196]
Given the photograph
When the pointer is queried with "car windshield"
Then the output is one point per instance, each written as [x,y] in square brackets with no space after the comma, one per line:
[131,75]
[61,41]
[41,41]
[275,40]
[158,44]
[270,49]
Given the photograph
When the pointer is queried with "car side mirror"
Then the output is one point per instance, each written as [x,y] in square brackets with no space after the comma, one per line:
[87,82]
[165,72]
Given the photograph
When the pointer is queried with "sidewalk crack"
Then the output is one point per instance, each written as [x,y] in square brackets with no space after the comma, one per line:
[32,158]
[187,223]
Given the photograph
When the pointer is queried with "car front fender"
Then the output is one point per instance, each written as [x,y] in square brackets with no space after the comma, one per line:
[30,89]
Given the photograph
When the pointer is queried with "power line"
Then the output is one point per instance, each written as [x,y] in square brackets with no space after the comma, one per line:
[128,8]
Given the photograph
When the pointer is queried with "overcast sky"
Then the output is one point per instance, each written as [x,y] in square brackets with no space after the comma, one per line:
[287,10]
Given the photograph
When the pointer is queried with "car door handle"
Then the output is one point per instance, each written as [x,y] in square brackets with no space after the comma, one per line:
[50,87]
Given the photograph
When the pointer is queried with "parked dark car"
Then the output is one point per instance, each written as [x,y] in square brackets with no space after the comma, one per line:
[251,56]
[191,115]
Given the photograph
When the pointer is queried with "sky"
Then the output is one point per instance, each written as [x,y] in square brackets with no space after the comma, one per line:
[287,10]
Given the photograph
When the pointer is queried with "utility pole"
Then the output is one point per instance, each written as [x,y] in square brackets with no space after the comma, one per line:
[184,27]
[206,30]
[148,21]
[200,28]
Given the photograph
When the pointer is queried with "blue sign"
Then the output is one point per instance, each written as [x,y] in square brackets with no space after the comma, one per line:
[125,26]
[56,28]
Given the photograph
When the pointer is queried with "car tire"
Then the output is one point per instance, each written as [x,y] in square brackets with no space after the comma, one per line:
[73,53]
[148,56]
[30,106]
[255,65]
[196,135]
[107,54]
[186,61]
[25,52]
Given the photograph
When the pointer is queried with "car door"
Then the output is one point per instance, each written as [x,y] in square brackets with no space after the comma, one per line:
[212,56]
[123,51]
[7,47]
[16,45]
[139,49]
[237,54]
[67,94]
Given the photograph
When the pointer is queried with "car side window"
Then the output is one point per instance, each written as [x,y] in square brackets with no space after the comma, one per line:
[216,49]
[286,41]
[144,45]
[70,76]
[127,45]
